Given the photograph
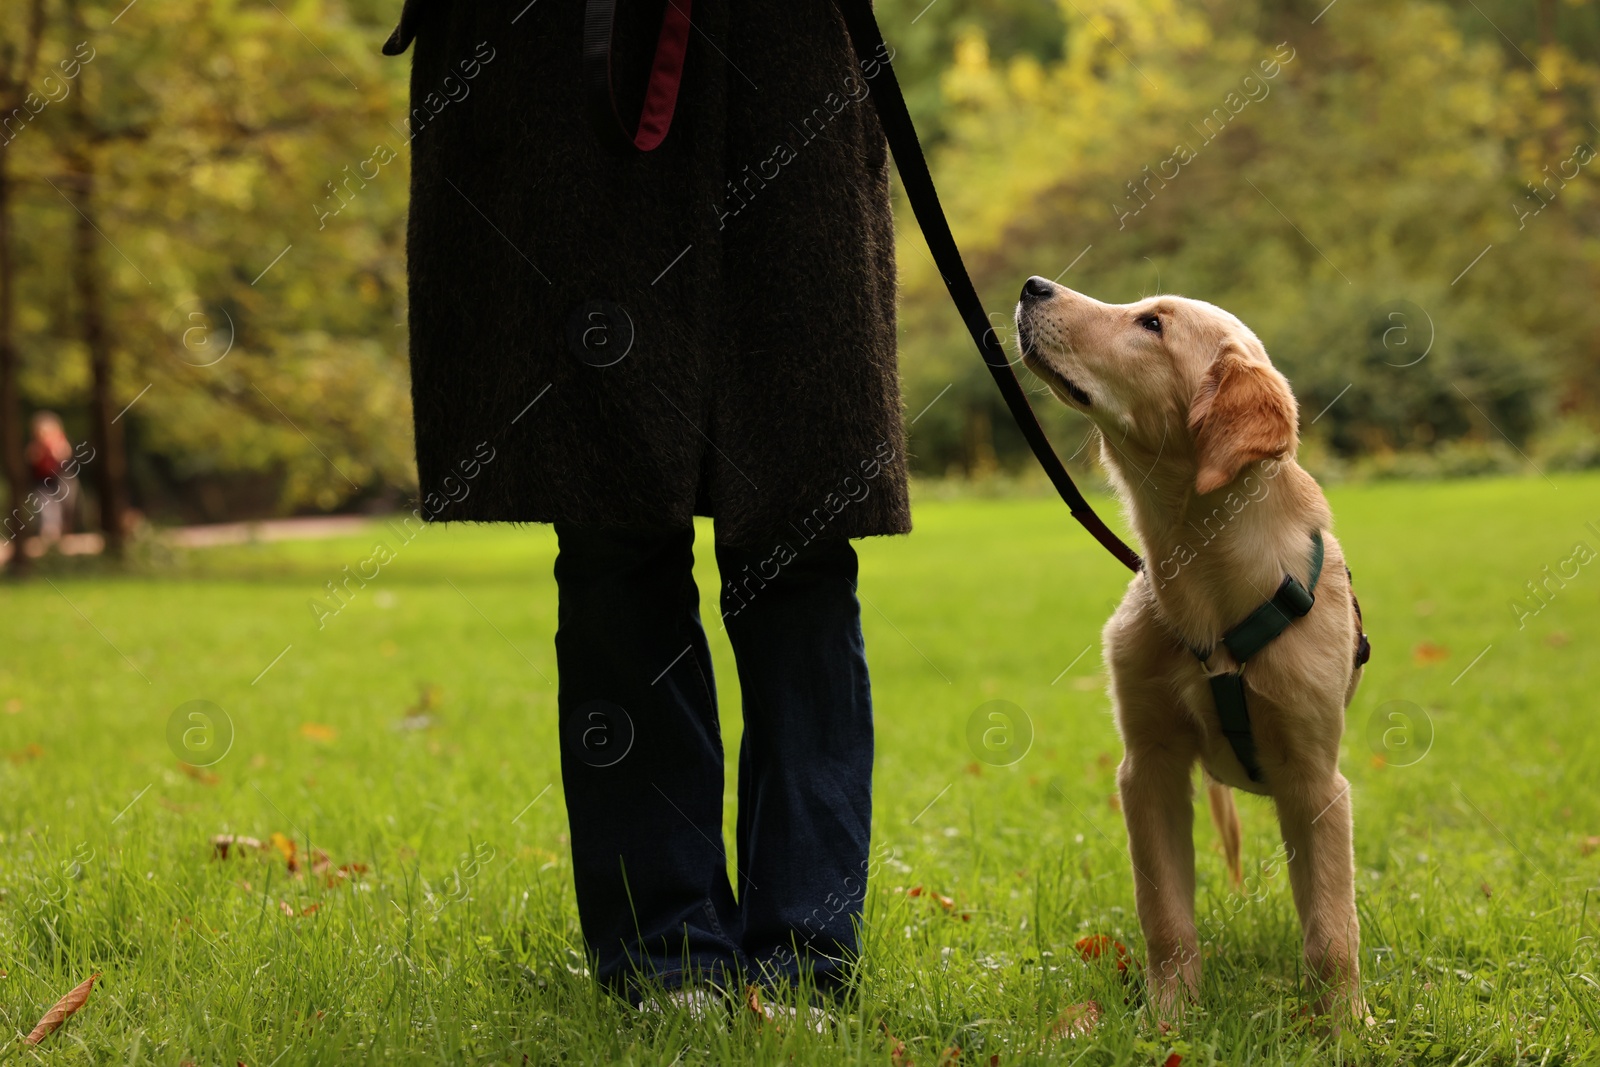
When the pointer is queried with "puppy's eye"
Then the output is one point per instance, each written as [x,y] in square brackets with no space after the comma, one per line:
[1151,322]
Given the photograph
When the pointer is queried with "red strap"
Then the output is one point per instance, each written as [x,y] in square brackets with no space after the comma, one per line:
[666,74]
[655,118]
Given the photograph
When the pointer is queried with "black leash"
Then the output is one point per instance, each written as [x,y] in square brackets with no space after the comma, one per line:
[1291,601]
[924,198]
[870,49]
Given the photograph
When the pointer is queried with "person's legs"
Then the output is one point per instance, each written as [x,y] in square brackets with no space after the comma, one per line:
[805,764]
[641,759]
[50,514]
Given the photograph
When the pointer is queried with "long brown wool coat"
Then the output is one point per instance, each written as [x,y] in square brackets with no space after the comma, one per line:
[630,340]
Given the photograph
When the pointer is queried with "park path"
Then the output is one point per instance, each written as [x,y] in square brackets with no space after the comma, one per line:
[206,535]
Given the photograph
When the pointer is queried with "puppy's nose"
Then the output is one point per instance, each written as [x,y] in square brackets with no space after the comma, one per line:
[1036,288]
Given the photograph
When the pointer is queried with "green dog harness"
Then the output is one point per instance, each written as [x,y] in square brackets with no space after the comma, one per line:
[1257,631]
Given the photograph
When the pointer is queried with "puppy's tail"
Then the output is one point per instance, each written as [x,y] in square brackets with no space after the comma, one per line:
[1226,818]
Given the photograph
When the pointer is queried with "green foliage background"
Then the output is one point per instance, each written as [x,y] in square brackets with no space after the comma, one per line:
[1333,206]
[1336,207]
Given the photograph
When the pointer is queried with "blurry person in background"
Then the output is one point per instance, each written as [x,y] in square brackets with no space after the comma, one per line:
[49,456]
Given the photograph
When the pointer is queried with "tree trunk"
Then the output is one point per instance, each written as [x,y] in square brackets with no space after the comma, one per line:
[110,461]
[11,439]
[110,464]
[15,71]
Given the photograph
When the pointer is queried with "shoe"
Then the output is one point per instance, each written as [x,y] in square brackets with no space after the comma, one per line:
[700,1003]
[810,1017]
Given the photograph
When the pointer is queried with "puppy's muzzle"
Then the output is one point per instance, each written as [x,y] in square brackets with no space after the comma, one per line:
[1035,292]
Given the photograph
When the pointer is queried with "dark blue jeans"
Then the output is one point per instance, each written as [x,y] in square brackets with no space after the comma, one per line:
[642,759]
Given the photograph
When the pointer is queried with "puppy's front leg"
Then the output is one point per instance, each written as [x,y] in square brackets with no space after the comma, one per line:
[1158,806]
[1315,818]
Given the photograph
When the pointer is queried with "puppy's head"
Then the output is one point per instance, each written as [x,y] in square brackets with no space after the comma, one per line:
[1181,378]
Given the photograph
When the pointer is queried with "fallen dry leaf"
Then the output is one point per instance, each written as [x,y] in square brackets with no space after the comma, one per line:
[898,1056]
[288,849]
[316,731]
[947,903]
[1096,945]
[14,706]
[427,699]
[1487,891]
[1079,1020]
[1427,652]
[345,870]
[200,774]
[1590,844]
[1557,639]
[26,754]
[65,1008]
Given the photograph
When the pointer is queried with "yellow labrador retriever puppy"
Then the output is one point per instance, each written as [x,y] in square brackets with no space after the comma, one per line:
[1238,645]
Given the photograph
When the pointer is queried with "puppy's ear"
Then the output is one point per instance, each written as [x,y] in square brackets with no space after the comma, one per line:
[1243,412]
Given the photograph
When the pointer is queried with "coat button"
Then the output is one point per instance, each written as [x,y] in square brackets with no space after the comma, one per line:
[600,333]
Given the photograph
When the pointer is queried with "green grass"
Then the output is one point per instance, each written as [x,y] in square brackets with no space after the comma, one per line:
[459,943]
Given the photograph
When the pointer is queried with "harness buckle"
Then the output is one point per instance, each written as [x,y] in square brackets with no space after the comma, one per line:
[1292,598]
[1259,629]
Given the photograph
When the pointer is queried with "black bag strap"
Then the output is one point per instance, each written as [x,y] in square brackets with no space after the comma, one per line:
[918,182]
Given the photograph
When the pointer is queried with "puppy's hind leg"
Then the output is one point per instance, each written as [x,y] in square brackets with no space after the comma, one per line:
[1225,816]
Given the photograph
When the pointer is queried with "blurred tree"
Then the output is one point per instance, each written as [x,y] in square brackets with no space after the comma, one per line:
[924,34]
[21,33]
[79,150]
[1403,208]
[248,238]
[1376,195]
